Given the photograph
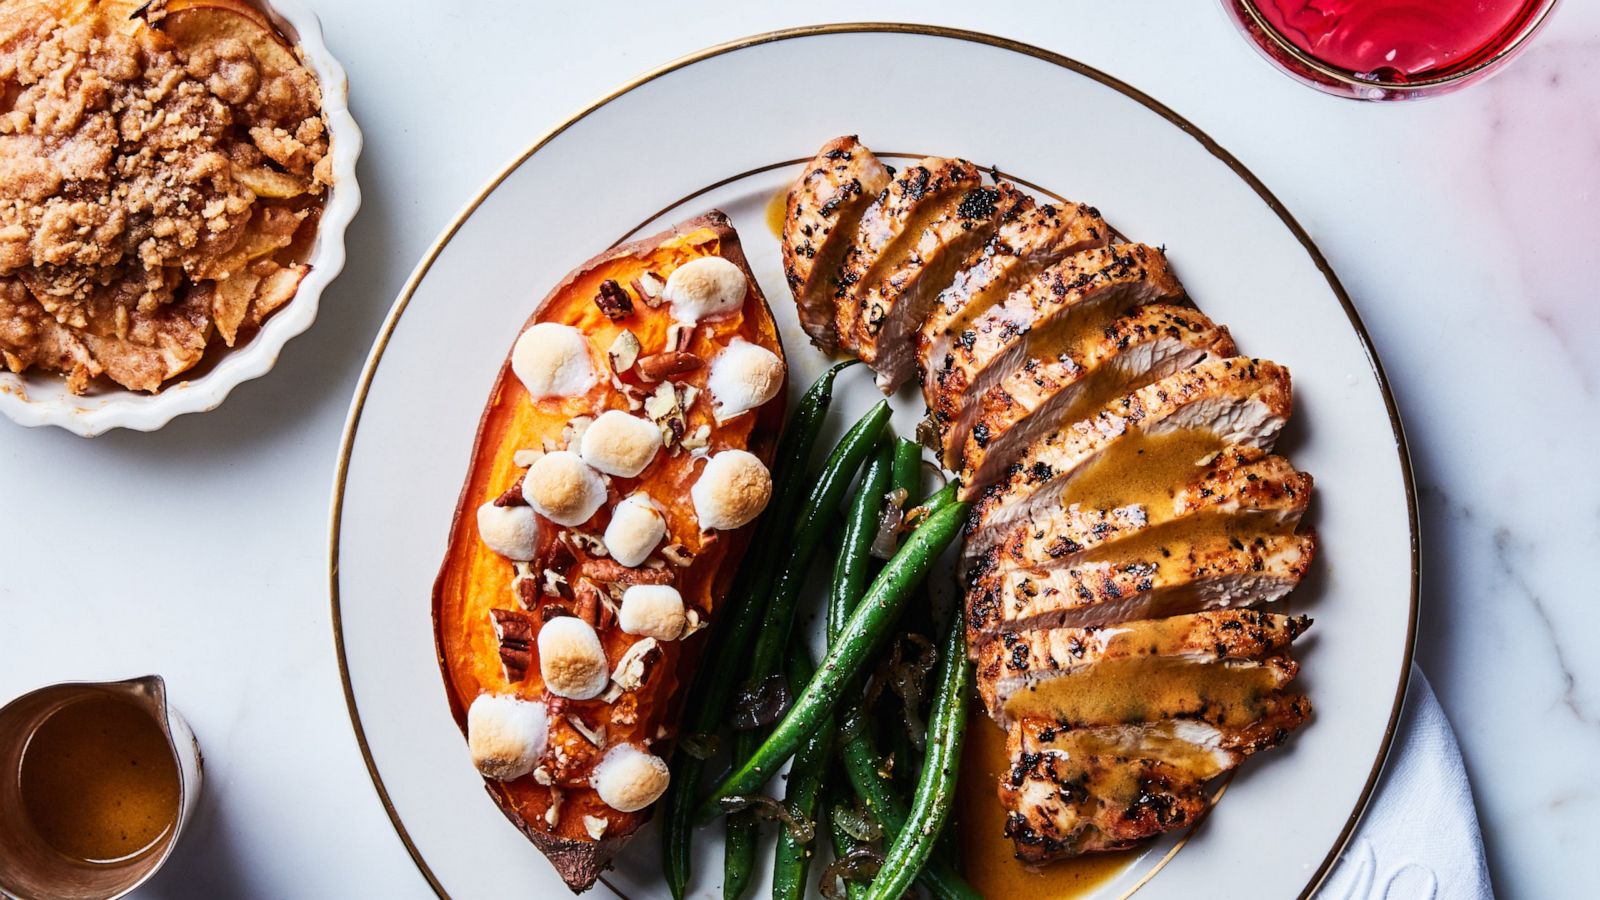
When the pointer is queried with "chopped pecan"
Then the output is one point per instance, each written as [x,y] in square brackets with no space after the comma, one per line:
[624,352]
[590,544]
[678,554]
[660,366]
[635,397]
[634,668]
[664,409]
[613,300]
[699,439]
[552,813]
[512,496]
[594,735]
[554,584]
[527,593]
[573,431]
[694,622]
[515,630]
[553,610]
[593,606]
[561,557]
[609,571]
[649,287]
[679,336]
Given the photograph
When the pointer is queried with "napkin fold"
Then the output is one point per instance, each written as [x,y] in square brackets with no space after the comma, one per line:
[1419,839]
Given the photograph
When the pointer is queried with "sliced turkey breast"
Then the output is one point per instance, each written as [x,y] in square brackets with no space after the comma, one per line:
[1140,448]
[1084,790]
[890,229]
[1207,743]
[1078,296]
[1058,806]
[1031,239]
[893,306]
[824,209]
[1135,350]
[1243,489]
[1185,576]
[1222,662]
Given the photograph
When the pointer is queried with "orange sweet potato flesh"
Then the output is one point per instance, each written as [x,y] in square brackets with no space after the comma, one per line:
[473,580]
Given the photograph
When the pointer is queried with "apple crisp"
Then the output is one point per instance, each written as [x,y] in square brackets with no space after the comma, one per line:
[161,170]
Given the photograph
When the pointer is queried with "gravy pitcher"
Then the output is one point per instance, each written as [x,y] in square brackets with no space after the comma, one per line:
[97,780]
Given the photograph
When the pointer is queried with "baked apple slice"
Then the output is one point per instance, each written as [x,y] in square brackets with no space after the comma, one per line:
[201,23]
[623,452]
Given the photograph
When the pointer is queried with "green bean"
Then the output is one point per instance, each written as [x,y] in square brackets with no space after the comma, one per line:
[713,687]
[740,834]
[802,794]
[827,489]
[843,841]
[936,786]
[862,762]
[850,573]
[864,769]
[868,627]
[854,564]
[908,468]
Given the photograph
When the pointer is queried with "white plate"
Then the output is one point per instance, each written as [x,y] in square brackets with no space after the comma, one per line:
[632,158]
[41,398]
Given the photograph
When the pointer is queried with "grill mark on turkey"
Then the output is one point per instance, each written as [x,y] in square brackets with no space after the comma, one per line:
[915,184]
[846,191]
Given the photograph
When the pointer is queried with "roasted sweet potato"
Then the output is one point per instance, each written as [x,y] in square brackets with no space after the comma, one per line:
[490,611]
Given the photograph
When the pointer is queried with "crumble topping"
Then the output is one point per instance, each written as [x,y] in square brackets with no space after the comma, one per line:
[150,183]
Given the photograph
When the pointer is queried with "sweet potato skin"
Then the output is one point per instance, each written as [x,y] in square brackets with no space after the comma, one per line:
[472,579]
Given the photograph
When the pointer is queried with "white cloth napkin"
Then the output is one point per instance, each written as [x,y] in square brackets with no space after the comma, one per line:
[1419,839]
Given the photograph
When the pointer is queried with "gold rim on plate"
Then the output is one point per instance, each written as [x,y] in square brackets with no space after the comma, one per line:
[381,343]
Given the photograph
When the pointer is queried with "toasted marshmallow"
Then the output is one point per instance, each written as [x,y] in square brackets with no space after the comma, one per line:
[743,377]
[506,735]
[705,288]
[629,779]
[652,610]
[552,360]
[571,660]
[511,531]
[636,527]
[620,444]
[562,489]
[733,489]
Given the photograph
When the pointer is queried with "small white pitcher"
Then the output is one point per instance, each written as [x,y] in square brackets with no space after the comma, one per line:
[32,870]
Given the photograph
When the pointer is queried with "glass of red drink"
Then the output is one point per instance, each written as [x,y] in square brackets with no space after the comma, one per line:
[1389,49]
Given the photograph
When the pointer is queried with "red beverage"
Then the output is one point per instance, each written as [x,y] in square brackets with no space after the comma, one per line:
[1388,49]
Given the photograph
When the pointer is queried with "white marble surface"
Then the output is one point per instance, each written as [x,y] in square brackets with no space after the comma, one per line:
[1466,228]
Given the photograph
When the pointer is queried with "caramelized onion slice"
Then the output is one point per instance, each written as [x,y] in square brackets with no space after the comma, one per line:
[858,866]
[799,827]
[762,705]
[856,823]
